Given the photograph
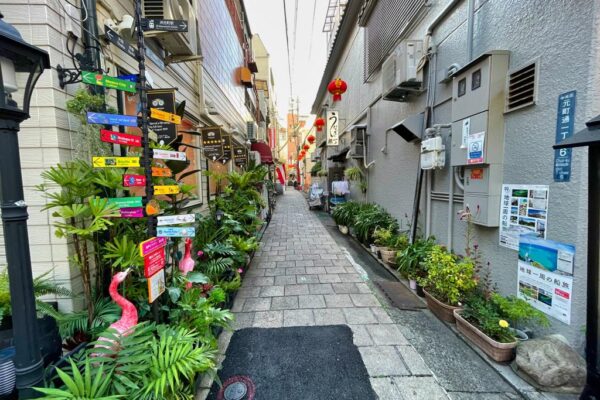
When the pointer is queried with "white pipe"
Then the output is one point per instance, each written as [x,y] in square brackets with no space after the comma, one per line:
[450,209]
[367,165]
[428,185]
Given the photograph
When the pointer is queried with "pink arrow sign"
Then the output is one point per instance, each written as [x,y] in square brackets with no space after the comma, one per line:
[132,212]
[134,180]
[154,262]
[148,246]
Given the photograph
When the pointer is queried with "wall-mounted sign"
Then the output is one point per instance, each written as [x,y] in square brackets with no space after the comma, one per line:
[226,148]
[134,180]
[333,134]
[565,121]
[162,172]
[168,155]
[240,155]
[121,43]
[115,162]
[167,231]
[165,25]
[165,116]
[163,100]
[126,202]
[109,82]
[176,219]
[154,262]
[212,143]
[136,212]
[475,143]
[111,119]
[152,244]
[120,138]
[167,189]
[156,285]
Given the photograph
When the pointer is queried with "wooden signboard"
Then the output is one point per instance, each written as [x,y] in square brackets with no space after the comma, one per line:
[115,162]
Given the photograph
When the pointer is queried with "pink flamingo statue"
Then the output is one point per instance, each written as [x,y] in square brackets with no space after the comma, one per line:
[129,315]
[187,264]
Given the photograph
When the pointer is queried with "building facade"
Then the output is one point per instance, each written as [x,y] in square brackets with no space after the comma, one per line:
[441,51]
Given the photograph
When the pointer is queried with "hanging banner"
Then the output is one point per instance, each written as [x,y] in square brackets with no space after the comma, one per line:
[111,119]
[163,100]
[333,135]
[226,137]
[475,149]
[120,138]
[156,285]
[168,155]
[134,180]
[176,219]
[565,121]
[212,143]
[168,231]
[162,172]
[545,275]
[523,210]
[137,212]
[152,244]
[154,262]
[165,116]
[168,189]
[106,81]
[240,155]
[115,162]
[126,202]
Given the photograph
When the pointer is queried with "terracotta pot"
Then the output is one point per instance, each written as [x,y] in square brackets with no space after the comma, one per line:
[441,310]
[388,255]
[500,352]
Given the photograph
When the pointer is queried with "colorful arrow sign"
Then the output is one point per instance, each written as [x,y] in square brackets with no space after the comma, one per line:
[150,245]
[111,119]
[154,262]
[163,172]
[168,231]
[168,155]
[176,219]
[165,116]
[106,81]
[115,162]
[134,180]
[120,138]
[167,189]
[126,202]
[135,212]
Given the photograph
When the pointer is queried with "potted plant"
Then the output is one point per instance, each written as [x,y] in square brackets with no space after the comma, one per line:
[449,280]
[344,215]
[369,218]
[411,259]
[381,238]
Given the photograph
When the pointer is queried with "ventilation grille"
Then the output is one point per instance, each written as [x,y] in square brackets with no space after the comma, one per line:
[154,8]
[522,88]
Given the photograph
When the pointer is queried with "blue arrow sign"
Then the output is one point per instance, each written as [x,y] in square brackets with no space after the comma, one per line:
[131,77]
[169,231]
[111,119]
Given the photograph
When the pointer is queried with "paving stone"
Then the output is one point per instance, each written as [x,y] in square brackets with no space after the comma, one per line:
[243,320]
[364,300]
[294,257]
[315,270]
[322,263]
[253,272]
[295,271]
[420,388]
[260,281]
[291,290]
[383,361]
[354,277]
[274,271]
[385,389]
[415,363]
[286,264]
[268,319]
[285,280]
[328,257]
[381,315]
[238,304]
[363,288]
[307,278]
[320,288]
[335,270]
[386,334]
[361,335]
[342,288]
[359,316]
[271,291]
[298,318]
[311,301]
[338,300]
[257,304]
[264,264]
[329,316]
[329,278]
[251,291]
[305,263]
[284,303]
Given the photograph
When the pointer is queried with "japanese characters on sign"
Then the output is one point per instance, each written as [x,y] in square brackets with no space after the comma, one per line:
[523,210]
[475,148]
[109,82]
[115,162]
[120,138]
[169,155]
[121,43]
[163,100]
[333,135]
[565,120]
[164,25]
[212,143]
[545,275]
[154,262]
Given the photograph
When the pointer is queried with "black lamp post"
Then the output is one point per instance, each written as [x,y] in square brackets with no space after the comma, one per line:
[21,64]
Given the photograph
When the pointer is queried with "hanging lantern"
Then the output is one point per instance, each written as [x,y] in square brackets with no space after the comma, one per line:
[337,87]
[306,147]
[319,123]
[311,139]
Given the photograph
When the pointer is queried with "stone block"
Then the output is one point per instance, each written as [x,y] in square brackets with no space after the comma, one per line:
[268,319]
[383,361]
[284,303]
[311,301]
[329,316]
[298,318]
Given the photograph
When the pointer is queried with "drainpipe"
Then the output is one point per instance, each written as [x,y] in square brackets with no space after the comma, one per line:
[450,208]
[428,185]
[470,23]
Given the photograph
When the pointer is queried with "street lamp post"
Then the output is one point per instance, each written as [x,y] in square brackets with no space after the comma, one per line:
[21,64]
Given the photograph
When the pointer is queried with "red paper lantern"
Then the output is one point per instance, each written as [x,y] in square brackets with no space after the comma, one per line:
[311,139]
[319,123]
[306,147]
[337,87]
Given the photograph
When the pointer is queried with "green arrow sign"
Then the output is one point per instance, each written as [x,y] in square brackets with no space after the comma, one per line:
[126,202]
[106,81]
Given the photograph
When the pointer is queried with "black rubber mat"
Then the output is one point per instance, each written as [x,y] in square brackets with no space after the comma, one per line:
[297,363]
[399,295]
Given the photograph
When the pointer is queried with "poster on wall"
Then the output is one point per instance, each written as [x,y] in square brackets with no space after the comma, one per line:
[333,135]
[545,275]
[523,210]
[475,142]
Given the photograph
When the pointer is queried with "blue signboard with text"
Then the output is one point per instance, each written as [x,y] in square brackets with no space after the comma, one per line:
[111,119]
[565,121]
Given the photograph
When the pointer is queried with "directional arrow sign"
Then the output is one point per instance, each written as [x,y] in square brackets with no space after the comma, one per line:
[148,246]
[176,219]
[126,202]
[166,25]
[168,231]
[134,180]
[115,162]
[106,81]
[165,116]
[120,138]
[111,119]
[121,43]
[168,155]
[168,189]
[164,172]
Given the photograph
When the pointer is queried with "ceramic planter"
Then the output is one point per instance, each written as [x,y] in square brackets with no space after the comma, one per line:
[413,284]
[388,255]
[500,352]
[343,229]
[441,310]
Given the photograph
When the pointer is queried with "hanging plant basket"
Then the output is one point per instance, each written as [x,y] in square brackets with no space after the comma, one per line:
[441,310]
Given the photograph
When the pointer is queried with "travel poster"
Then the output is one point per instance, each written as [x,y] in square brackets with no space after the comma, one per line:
[523,210]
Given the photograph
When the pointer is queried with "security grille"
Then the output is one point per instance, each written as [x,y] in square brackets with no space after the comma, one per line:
[387,23]
[521,88]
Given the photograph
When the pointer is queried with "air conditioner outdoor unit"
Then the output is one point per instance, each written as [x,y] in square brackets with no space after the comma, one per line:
[400,75]
[357,141]
[181,43]
[254,156]
[251,130]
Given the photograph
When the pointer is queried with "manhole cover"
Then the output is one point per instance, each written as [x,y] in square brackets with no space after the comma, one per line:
[237,388]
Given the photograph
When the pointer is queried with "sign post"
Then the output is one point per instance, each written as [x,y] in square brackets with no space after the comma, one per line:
[212,143]
[164,25]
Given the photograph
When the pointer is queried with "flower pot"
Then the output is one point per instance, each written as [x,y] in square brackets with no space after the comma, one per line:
[519,334]
[420,291]
[343,229]
[388,255]
[413,284]
[373,249]
[499,352]
[7,371]
[441,310]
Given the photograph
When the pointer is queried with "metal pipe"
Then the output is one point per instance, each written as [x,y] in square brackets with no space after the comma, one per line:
[89,21]
[450,209]
[470,23]
[441,16]
[428,185]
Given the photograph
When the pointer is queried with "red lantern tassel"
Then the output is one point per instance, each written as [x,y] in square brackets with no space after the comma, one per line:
[337,97]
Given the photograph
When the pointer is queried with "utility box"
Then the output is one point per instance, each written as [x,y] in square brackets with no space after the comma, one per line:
[478,94]
[433,153]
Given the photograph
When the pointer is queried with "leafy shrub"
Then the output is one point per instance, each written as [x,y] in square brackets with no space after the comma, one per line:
[371,217]
[345,213]
[487,317]
[411,259]
[519,311]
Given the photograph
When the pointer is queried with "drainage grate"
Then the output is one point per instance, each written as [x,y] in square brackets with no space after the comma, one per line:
[237,387]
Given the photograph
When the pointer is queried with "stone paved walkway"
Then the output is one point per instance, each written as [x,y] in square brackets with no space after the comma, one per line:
[301,277]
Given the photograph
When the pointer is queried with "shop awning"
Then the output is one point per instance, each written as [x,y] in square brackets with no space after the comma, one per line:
[588,136]
[341,156]
[266,157]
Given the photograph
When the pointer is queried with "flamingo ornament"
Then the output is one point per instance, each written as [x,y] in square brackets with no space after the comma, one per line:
[187,264]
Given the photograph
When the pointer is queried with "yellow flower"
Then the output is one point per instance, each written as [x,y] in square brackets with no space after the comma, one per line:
[503,323]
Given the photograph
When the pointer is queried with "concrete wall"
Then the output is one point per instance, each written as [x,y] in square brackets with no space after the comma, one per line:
[563,36]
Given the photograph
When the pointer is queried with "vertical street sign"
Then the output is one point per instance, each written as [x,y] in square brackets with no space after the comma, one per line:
[333,135]
[565,121]
[163,100]
[212,143]
[226,148]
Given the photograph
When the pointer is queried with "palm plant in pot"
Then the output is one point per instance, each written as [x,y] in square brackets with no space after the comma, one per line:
[411,261]
[344,215]
[449,280]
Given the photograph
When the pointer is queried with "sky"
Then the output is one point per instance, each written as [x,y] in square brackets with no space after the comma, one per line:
[308,60]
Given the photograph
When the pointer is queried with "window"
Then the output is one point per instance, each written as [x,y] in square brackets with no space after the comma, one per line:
[462,87]
[476,80]
[521,87]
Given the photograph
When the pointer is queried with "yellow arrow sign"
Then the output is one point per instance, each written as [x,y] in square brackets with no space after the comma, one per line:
[169,189]
[165,116]
[115,162]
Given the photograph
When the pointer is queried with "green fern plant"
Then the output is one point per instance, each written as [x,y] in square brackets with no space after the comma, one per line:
[123,252]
